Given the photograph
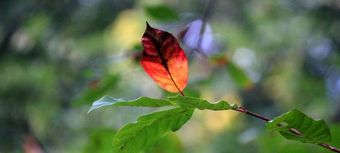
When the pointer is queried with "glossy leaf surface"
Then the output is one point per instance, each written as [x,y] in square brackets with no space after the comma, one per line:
[191,102]
[164,60]
[139,102]
[149,129]
[311,131]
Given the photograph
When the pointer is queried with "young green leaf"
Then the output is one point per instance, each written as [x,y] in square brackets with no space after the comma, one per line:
[139,102]
[136,137]
[238,75]
[240,78]
[191,102]
[311,131]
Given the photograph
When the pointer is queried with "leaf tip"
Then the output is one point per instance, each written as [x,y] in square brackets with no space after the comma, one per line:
[89,111]
[147,25]
[103,101]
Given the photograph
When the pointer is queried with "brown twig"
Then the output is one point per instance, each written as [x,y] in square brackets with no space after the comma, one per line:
[243,110]
[207,13]
[292,130]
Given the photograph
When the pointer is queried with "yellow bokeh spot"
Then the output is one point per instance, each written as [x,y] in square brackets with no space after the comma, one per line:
[218,121]
[126,31]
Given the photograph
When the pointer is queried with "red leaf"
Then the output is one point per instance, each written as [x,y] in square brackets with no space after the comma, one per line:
[164,60]
[30,145]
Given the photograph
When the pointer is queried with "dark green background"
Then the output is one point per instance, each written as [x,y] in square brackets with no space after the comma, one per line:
[57,57]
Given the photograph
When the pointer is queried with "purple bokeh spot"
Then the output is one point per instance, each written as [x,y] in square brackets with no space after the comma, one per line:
[333,86]
[191,38]
[320,49]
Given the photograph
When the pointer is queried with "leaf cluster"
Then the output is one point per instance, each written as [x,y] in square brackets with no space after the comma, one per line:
[150,128]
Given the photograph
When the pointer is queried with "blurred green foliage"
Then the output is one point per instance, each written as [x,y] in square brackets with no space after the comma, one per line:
[162,13]
[56,57]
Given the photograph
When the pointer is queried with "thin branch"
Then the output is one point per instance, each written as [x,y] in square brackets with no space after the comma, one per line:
[243,110]
[329,147]
[207,13]
[292,130]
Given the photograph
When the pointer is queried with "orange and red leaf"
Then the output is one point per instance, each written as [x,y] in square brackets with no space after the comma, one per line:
[164,60]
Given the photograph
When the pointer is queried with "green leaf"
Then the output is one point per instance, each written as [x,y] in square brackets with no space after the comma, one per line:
[161,13]
[139,102]
[311,131]
[99,141]
[136,137]
[239,76]
[170,143]
[191,102]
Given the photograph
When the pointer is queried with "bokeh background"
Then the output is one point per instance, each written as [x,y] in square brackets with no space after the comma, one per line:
[57,57]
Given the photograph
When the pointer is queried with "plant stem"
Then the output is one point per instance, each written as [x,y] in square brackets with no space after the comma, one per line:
[207,13]
[181,92]
[292,130]
[243,110]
